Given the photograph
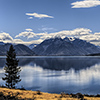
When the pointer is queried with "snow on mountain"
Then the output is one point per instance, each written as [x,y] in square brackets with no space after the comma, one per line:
[31,46]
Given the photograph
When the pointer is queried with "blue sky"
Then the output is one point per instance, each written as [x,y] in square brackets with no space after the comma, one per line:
[16,16]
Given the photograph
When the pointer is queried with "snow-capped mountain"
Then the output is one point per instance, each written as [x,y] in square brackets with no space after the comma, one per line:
[31,46]
[20,49]
[66,46]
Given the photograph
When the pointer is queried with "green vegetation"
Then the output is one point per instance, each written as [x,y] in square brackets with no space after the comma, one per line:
[12,70]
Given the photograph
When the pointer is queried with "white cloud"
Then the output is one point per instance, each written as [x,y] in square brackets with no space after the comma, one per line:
[30,18]
[46,29]
[81,33]
[97,33]
[39,15]
[92,38]
[41,34]
[27,33]
[68,33]
[29,29]
[85,3]
[19,41]
[35,41]
[5,36]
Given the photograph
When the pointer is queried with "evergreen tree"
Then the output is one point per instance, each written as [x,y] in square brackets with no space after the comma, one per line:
[12,70]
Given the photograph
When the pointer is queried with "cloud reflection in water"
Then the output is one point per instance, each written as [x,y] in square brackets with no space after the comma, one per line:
[36,76]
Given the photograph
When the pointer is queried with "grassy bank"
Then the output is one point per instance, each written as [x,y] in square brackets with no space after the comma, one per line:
[14,94]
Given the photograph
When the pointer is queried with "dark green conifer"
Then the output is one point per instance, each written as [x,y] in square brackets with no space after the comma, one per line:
[12,70]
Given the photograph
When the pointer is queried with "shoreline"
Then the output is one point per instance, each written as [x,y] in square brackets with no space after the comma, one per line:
[16,94]
[51,56]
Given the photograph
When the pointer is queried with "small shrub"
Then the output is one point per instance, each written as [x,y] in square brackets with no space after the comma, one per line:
[39,92]
[98,95]
[1,94]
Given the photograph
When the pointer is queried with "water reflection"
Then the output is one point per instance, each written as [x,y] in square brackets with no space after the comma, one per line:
[61,63]
[57,63]
[71,81]
[55,75]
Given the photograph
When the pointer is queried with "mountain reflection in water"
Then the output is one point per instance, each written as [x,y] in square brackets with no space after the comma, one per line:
[60,74]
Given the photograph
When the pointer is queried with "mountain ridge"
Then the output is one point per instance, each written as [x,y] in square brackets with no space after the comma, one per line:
[20,49]
[65,47]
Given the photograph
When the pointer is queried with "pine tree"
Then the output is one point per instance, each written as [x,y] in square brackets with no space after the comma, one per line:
[12,70]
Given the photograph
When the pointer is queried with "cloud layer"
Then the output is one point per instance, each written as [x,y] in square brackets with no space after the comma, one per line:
[27,33]
[38,15]
[81,33]
[5,37]
[85,4]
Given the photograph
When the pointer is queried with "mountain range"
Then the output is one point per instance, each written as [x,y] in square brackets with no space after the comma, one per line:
[54,47]
[20,49]
[65,47]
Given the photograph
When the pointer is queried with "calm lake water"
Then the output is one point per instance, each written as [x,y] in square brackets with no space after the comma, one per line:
[58,74]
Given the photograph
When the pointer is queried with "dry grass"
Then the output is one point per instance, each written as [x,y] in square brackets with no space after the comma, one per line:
[37,95]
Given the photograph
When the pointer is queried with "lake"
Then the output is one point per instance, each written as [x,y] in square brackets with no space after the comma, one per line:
[58,74]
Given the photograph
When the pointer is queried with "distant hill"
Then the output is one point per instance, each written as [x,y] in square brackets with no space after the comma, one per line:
[65,47]
[21,50]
